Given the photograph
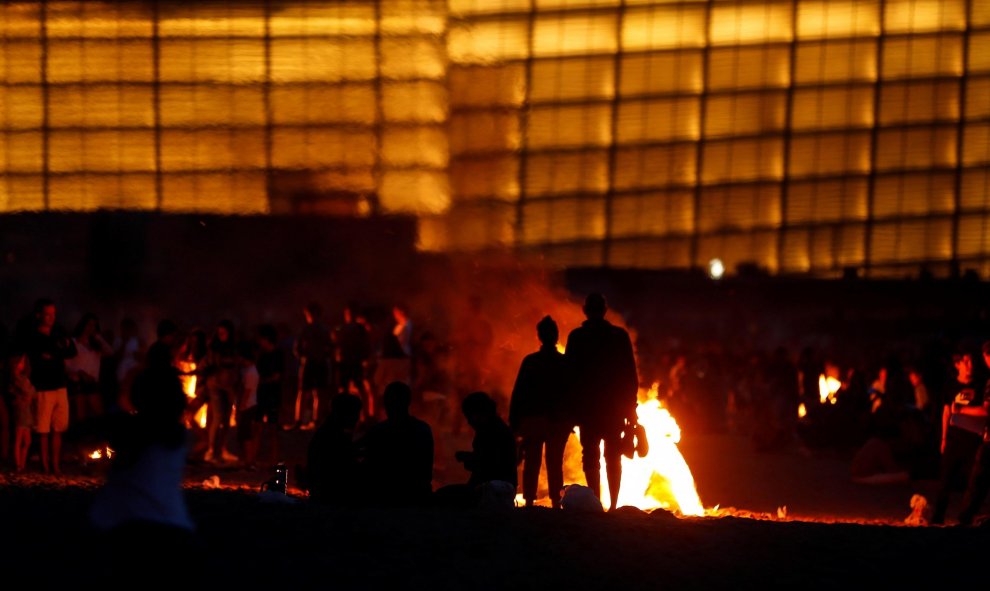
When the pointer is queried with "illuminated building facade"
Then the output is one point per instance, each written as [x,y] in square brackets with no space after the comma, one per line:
[801,136]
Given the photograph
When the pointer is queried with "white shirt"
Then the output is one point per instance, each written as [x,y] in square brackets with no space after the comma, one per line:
[249,387]
[86,360]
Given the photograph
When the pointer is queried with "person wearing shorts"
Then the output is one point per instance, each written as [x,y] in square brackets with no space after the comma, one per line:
[47,347]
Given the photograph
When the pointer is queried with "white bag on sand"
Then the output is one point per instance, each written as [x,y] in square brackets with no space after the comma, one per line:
[497,494]
[580,499]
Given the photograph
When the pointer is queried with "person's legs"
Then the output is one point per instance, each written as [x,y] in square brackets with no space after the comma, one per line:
[978,485]
[213,420]
[45,466]
[532,445]
[43,424]
[21,446]
[60,423]
[56,452]
[555,444]
[591,440]
[613,467]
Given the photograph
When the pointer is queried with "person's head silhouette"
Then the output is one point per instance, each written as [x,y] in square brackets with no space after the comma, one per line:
[547,331]
[397,397]
[595,306]
[478,408]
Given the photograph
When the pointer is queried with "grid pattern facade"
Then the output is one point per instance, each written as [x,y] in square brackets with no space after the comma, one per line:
[802,136]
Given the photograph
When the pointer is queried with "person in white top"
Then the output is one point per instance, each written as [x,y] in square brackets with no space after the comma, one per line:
[84,369]
[248,417]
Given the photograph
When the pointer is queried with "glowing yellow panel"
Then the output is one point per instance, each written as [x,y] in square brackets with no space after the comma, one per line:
[408,146]
[978,98]
[212,19]
[473,7]
[980,15]
[832,107]
[482,225]
[655,166]
[322,147]
[974,231]
[661,73]
[579,172]
[922,56]
[21,193]
[101,106]
[213,60]
[99,61]
[742,160]
[750,23]
[838,18]
[495,177]
[922,16]
[303,19]
[428,17]
[739,207]
[302,60]
[827,201]
[919,101]
[916,147]
[652,214]
[483,132]
[911,241]
[850,245]
[20,151]
[748,67]
[414,191]
[101,151]
[97,19]
[20,20]
[577,34]
[212,149]
[975,192]
[572,79]
[20,61]
[102,191]
[421,101]
[563,220]
[744,114]
[914,194]
[796,257]
[979,52]
[836,61]
[663,27]
[20,107]
[571,4]
[657,120]
[318,104]
[405,58]
[976,144]
[488,42]
[491,86]
[227,193]
[586,125]
[830,153]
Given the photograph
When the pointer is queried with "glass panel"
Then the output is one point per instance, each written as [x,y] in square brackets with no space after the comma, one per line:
[409,146]
[576,34]
[918,101]
[745,114]
[913,194]
[827,108]
[323,60]
[414,191]
[657,120]
[830,154]
[662,27]
[20,193]
[314,147]
[976,144]
[100,191]
[483,132]
[836,61]
[748,67]
[488,42]
[569,126]
[101,106]
[20,151]
[827,201]
[916,148]
[563,220]
[101,151]
[216,60]
[572,79]
[742,160]
[750,22]
[307,104]
[227,192]
[915,57]
[99,61]
[484,86]
[20,61]
[494,177]
[567,173]
[406,58]
[838,18]
[655,166]
[213,149]
[20,107]
[661,73]
[653,214]
[921,16]
[423,102]
[739,208]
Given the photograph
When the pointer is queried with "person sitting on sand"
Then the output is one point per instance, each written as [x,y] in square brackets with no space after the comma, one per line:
[331,461]
[398,453]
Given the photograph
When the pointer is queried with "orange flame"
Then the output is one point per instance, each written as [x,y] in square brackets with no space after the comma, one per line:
[827,388]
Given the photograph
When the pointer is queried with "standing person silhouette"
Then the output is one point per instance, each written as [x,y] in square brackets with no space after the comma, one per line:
[604,383]
[536,413]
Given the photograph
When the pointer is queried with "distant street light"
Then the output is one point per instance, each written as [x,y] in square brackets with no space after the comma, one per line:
[716,269]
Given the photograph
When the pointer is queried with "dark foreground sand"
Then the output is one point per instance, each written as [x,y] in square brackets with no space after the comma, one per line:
[248,544]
